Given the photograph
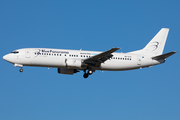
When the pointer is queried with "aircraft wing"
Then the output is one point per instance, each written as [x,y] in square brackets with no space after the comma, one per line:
[100,58]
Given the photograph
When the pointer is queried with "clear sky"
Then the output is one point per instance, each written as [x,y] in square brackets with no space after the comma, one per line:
[43,94]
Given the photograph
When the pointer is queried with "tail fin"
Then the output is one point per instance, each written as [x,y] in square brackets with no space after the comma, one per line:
[156,45]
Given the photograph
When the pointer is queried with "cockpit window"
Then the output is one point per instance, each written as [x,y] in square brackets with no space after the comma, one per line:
[15,52]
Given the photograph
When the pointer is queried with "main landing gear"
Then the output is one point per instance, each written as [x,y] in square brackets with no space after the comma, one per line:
[86,75]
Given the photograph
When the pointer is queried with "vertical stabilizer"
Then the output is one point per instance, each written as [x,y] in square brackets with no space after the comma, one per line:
[156,45]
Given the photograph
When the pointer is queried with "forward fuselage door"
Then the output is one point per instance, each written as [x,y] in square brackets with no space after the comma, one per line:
[27,54]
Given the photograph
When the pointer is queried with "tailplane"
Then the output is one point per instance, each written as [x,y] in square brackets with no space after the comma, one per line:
[164,56]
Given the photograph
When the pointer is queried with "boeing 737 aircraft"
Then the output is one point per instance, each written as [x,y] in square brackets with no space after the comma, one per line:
[71,61]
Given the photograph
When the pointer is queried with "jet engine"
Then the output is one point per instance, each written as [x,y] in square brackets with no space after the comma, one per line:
[67,71]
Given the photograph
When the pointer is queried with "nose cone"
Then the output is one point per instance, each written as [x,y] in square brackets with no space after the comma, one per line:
[7,57]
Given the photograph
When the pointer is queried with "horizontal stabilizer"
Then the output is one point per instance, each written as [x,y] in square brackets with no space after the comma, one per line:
[164,56]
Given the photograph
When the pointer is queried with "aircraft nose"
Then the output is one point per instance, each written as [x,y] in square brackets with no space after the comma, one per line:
[6,57]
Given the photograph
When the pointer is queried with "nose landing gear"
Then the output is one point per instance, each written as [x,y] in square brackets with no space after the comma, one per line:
[21,70]
[19,65]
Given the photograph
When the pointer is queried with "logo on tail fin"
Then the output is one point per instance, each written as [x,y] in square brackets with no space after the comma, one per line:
[153,46]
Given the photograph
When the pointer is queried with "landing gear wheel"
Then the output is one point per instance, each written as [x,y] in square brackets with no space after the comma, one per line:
[85,75]
[90,72]
[21,70]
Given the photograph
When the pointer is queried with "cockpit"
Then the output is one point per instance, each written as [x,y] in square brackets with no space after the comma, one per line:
[15,52]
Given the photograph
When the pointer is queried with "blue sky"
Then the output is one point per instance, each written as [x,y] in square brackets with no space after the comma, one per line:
[41,93]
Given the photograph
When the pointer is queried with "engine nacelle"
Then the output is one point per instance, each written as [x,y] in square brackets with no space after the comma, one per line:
[67,71]
[74,63]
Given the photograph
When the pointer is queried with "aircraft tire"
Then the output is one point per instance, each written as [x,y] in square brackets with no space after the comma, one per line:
[21,70]
[85,75]
[90,72]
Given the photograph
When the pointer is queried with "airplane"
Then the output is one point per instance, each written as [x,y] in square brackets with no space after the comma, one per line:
[72,61]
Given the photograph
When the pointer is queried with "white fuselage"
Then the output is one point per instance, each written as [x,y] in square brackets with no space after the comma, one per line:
[43,57]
